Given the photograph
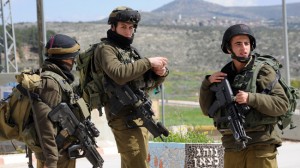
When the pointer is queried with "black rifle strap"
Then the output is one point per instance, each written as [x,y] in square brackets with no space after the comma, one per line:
[29,155]
[27,93]
[35,121]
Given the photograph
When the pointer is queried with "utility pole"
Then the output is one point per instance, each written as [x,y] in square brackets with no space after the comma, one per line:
[286,47]
[7,40]
[163,103]
[41,30]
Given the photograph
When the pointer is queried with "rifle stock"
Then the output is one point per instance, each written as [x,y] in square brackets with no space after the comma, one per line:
[234,112]
[85,145]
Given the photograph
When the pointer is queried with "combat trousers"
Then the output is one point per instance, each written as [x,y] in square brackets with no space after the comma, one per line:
[132,145]
[63,162]
[259,156]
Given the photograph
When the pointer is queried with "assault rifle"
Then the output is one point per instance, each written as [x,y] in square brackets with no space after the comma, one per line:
[84,133]
[235,112]
[123,97]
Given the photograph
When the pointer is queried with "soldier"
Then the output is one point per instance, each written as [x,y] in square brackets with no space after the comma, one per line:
[118,60]
[261,149]
[60,52]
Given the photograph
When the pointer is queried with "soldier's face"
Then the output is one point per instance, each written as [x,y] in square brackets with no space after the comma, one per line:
[125,29]
[241,46]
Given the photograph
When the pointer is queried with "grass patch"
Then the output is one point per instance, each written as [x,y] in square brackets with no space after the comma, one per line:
[179,86]
[179,115]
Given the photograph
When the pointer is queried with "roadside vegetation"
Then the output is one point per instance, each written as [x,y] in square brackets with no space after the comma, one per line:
[179,115]
[189,137]
[186,125]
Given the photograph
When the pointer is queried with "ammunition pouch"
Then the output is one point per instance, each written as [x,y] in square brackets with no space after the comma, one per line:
[94,93]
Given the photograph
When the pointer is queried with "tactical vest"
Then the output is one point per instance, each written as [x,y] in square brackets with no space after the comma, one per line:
[81,111]
[64,85]
[253,118]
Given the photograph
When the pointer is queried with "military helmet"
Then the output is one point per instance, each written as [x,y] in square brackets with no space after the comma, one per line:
[238,29]
[61,46]
[124,14]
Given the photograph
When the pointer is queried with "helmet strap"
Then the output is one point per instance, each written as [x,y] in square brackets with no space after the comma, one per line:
[240,59]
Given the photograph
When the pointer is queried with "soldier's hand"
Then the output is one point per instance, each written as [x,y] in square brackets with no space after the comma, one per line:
[160,71]
[158,62]
[241,97]
[217,77]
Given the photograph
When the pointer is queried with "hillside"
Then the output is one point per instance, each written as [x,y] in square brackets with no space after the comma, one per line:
[193,52]
[189,49]
[200,12]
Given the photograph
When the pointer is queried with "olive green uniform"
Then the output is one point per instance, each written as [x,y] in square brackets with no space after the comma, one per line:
[51,94]
[125,66]
[260,121]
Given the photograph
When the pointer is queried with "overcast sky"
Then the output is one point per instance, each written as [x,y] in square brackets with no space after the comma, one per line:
[91,10]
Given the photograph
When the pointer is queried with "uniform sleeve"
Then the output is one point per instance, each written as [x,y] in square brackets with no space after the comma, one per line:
[206,96]
[106,57]
[50,96]
[273,104]
[154,80]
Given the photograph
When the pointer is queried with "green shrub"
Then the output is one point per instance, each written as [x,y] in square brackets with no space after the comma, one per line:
[295,83]
[189,137]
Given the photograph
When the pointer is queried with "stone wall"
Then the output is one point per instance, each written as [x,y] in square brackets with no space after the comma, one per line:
[185,155]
